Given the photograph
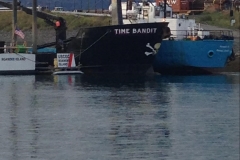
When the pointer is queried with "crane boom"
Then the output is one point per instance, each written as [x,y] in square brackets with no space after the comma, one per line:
[49,19]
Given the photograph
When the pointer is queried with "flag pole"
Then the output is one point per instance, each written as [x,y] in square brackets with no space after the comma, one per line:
[34,26]
[14,22]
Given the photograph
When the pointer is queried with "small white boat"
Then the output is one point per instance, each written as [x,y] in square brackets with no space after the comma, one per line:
[67,72]
[16,63]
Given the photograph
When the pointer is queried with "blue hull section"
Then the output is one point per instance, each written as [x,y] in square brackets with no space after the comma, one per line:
[192,54]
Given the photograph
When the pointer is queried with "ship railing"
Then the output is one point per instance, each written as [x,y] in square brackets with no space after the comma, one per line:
[220,34]
[10,48]
[202,34]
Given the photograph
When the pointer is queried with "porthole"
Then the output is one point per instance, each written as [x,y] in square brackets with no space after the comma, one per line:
[210,54]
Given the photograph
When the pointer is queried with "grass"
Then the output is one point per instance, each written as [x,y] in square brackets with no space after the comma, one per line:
[220,19]
[73,22]
[212,17]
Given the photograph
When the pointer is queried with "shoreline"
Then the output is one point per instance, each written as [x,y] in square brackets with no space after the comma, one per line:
[232,66]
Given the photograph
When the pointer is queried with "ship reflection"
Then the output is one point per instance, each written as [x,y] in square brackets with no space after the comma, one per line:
[207,79]
[13,130]
[140,132]
[19,143]
[114,81]
[136,81]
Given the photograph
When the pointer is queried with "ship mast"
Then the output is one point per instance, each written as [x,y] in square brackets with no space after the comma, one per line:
[14,22]
[117,12]
[34,26]
[164,9]
[129,4]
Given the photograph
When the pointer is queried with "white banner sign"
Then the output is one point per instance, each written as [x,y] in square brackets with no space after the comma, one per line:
[66,60]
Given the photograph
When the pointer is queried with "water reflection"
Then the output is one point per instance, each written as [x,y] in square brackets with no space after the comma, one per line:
[115,81]
[137,133]
[34,129]
[207,79]
[136,81]
[155,117]
[14,127]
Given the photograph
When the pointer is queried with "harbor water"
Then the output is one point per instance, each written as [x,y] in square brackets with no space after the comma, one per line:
[74,117]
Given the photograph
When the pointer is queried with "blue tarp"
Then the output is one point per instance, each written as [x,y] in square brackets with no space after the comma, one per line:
[44,50]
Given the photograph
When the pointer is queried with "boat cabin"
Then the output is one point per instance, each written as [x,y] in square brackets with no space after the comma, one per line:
[180,25]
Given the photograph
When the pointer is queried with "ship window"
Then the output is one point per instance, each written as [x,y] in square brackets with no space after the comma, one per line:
[168,14]
[157,11]
[145,13]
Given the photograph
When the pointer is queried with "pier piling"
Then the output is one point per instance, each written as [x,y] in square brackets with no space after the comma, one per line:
[116,12]
[34,26]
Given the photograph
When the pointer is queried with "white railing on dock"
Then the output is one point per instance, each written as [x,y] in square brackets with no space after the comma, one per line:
[15,49]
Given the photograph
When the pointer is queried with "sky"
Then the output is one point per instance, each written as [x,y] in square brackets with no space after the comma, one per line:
[73,4]
[70,5]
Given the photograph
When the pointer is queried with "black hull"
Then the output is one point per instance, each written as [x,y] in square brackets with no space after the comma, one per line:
[183,71]
[44,61]
[118,69]
[120,48]
[18,72]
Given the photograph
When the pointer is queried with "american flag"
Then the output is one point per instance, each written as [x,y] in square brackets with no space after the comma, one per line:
[19,33]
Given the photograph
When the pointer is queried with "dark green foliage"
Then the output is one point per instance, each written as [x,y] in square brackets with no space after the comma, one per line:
[206,18]
[73,22]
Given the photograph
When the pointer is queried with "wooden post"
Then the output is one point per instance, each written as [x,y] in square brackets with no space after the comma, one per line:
[14,22]
[164,8]
[116,12]
[81,5]
[34,26]
[220,5]
[102,6]
[74,5]
[88,6]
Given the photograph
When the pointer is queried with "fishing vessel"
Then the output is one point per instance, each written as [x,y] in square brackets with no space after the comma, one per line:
[190,49]
[127,48]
